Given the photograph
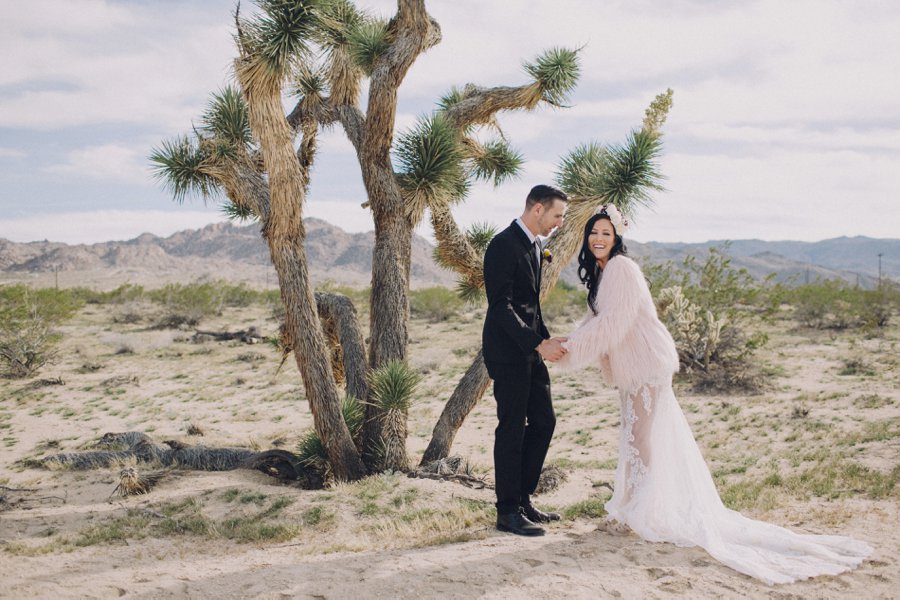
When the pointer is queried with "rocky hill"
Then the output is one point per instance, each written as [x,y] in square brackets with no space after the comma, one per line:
[238,253]
[217,251]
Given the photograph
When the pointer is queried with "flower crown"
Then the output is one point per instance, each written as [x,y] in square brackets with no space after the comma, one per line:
[615,217]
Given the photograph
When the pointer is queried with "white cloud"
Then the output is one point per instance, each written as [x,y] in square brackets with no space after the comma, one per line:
[881,139]
[778,196]
[333,141]
[103,225]
[108,162]
[12,153]
[93,62]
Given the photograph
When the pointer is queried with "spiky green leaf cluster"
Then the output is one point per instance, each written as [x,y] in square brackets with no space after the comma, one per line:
[178,164]
[451,98]
[227,118]
[311,451]
[632,171]
[480,235]
[337,19]
[430,160]
[498,162]
[623,175]
[393,384]
[280,34]
[556,71]
[470,293]
[581,170]
[368,40]
[310,82]
[234,212]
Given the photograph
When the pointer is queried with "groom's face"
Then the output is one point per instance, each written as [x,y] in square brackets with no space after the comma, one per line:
[551,216]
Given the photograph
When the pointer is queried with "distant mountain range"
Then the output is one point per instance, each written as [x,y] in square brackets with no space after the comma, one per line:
[238,253]
[853,259]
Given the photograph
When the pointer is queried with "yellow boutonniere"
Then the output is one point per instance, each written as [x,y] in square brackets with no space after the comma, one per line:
[547,255]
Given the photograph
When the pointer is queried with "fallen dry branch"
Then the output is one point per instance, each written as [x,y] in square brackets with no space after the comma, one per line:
[136,447]
[467,480]
[247,336]
[451,468]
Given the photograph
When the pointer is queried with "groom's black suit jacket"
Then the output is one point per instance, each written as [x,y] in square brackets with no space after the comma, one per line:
[513,326]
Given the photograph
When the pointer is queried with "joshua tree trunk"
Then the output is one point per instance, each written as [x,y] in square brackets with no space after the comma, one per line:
[389,305]
[339,316]
[285,235]
[389,310]
[468,392]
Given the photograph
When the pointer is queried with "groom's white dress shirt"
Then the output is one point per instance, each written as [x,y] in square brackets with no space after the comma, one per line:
[532,238]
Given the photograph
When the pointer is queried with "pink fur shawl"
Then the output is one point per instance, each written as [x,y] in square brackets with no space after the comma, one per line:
[625,338]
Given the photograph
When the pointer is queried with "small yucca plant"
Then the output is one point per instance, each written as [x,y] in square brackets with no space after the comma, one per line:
[311,451]
[392,389]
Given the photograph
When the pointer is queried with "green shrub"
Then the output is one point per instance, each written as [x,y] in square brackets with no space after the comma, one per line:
[189,304]
[710,308]
[434,303]
[127,292]
[835,304]
[27,321]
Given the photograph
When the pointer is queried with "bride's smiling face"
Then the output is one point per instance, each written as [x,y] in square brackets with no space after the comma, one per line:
[601,240]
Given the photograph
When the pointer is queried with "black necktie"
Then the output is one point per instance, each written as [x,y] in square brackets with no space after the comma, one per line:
[534,262]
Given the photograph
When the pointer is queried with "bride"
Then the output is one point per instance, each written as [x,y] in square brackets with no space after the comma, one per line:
[663,488]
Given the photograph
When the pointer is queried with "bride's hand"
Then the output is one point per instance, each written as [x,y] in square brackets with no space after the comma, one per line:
[552,349]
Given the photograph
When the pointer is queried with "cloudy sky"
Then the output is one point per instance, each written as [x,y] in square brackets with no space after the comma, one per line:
[786,123]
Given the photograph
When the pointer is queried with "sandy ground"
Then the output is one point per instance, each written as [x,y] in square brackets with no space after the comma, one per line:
[831,439]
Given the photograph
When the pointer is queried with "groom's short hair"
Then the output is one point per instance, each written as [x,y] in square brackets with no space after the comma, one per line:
[544,194]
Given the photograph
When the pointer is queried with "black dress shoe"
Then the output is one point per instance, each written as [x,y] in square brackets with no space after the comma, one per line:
[517,523]
[538,516]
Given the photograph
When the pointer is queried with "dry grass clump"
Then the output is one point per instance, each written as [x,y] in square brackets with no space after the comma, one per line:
[589,508]
[193,429]
[857,366]
[132,483]
[872,401]
[462,521]
[831,477]
[552,476]
[185,517]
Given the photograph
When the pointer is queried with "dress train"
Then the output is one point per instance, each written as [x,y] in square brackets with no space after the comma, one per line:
[665,493]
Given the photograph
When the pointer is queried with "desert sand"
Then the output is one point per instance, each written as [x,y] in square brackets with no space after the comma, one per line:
[817,452]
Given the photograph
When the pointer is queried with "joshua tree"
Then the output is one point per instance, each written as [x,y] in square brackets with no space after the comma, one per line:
[246,147]
[591,175]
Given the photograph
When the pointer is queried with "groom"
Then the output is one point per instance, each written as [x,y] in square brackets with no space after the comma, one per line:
[516,344]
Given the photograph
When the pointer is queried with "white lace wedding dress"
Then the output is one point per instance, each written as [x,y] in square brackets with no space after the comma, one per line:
[663,489]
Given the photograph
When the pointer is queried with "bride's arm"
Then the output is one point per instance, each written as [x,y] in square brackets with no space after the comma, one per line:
[619,297]
[577,360]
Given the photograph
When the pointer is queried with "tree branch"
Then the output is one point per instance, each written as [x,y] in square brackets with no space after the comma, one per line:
[414,32]
[454,248]
[479,105]
[327,113]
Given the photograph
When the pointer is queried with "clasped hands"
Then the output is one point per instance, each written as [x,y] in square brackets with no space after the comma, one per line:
[552,349]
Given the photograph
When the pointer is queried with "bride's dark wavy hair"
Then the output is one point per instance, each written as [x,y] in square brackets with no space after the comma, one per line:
[588,270]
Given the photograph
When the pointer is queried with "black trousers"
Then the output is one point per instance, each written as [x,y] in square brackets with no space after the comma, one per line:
[526,424]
